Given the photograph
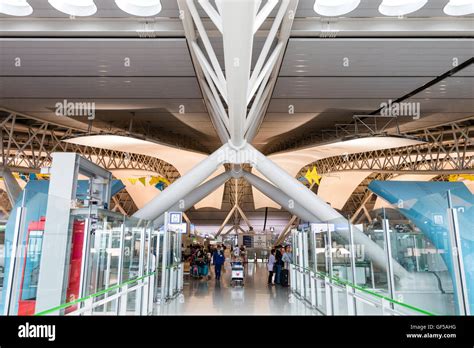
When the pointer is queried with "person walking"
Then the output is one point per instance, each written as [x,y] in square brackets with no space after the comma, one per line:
[218,260]
[270,265]
[278,263]
[287,257]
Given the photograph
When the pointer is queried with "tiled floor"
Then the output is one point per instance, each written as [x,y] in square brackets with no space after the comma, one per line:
[211,297]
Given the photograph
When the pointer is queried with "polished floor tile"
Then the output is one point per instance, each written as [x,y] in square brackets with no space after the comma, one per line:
[211,297]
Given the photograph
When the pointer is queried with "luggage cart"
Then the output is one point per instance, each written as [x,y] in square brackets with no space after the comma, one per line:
[237,277]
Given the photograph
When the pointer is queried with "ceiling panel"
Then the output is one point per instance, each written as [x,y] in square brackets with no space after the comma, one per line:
[345,87]
[376,57]
[95,57]
[99,87]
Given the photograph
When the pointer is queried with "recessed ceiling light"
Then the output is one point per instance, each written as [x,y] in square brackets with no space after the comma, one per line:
[332,8]
[80,8]
[400,7]
[142,8]
[15,7]
[459,7]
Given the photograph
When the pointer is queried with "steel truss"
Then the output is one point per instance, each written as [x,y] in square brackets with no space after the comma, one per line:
[27,145]
[447,149]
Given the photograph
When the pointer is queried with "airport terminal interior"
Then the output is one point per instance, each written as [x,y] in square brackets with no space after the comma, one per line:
[237,157]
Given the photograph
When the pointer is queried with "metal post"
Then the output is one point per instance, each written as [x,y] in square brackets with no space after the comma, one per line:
[313,289]
[141,260]
[353,269]
[123,300]
[388,252]
[301,264]
[330,271]
[351,310]
[457,258]
[306,277]
[15,255]
[109,256]
[120,262]
[328,293]
[164,263]
[84,277]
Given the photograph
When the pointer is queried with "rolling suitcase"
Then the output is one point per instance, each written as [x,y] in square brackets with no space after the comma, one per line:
[204,270]
[284,277]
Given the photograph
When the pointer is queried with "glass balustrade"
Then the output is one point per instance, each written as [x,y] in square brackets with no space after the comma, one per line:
[399,263]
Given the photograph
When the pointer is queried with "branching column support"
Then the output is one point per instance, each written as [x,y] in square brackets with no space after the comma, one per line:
[238,21]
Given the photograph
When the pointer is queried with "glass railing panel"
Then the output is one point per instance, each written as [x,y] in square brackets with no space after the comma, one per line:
[419,239]
[462,202]
[340,249]
[376,272]
[22,262]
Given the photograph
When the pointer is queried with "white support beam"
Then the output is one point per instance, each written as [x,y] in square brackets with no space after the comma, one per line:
[257,112]
[212,13]
[279,197]
[285,231]
[316,206]
[238,18]
[208,71]
[264,13]
[266,71]
[242,214]
[219,231]
[228,231]
[196,195]
[207,44]
[181,187]
[269,41]
[216,119]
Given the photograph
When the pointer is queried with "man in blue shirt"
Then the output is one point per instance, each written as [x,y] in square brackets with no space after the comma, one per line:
[218,260]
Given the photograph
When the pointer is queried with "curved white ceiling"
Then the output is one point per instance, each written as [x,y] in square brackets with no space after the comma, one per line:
[293,161]
[140,194]
[336,188]
[182,160]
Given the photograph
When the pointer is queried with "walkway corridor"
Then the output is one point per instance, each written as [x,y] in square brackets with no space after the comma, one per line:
[202,297]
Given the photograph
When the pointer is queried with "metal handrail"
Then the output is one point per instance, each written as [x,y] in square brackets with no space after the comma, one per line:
[99,293]
[341,284]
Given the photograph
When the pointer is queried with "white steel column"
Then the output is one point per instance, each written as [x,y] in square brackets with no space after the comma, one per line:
[238,20]
[181,187]
[197,195]
[279,197]
[315,205]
